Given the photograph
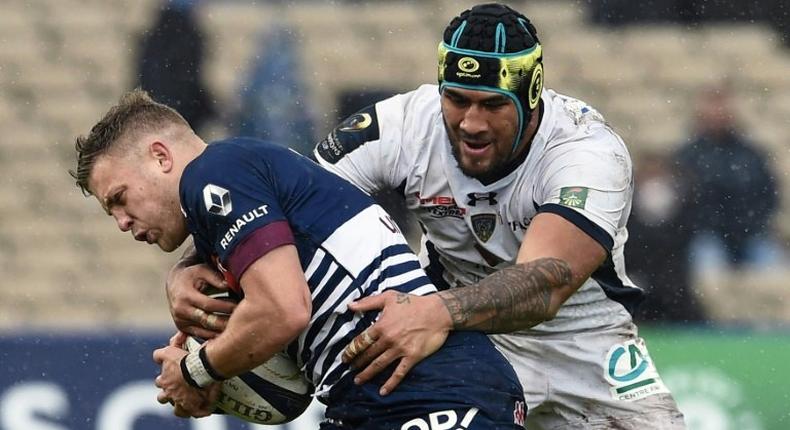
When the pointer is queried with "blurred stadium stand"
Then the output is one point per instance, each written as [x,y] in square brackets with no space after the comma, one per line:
[64,62]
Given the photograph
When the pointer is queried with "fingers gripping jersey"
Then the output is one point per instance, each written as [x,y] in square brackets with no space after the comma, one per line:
[577,167]
[243,198]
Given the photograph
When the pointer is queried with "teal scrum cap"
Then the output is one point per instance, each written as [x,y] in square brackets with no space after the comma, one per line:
[491,47]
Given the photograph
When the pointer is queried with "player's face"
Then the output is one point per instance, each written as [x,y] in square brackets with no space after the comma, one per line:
[481,126]
[134,191]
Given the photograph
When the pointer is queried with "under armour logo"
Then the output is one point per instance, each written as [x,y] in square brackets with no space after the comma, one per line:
[217,200]
[475,197]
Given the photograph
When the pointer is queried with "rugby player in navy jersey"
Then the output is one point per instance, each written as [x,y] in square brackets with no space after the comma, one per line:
[300,244]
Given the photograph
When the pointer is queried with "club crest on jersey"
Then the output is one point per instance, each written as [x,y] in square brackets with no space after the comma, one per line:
[574,197]
[484,225]
[217,200]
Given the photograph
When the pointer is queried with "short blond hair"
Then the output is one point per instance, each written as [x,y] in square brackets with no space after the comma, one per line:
[136,112]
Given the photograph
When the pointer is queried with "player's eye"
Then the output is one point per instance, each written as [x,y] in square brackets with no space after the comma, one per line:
[115,200]
[456,99]
[495,103]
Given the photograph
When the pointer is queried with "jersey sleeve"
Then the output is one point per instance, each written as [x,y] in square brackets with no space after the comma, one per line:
[232,207]
[589,183]
[367,148]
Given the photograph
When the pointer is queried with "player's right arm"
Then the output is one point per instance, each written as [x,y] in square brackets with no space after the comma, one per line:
[276,308]
[367,148]
[193,312]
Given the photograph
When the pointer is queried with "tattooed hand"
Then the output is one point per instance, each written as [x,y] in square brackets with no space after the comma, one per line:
[409,329]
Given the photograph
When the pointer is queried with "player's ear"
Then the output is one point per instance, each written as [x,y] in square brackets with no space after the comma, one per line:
[161,153]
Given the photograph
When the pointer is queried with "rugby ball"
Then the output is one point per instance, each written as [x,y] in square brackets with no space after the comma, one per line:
[274,392]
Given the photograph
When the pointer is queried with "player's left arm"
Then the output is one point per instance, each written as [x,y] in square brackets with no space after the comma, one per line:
[555,259]
[276,308]
[584,196]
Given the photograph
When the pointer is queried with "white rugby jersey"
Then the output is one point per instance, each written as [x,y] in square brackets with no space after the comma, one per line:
[577,167]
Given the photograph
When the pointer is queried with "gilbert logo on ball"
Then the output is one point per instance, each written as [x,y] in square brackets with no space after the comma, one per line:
[273,393]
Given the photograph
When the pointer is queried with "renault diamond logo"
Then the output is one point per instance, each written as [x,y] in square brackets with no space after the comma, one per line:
[468,64]
[217,200]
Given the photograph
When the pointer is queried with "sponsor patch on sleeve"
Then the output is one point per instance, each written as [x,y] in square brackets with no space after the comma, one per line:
[573,197]
[355,131]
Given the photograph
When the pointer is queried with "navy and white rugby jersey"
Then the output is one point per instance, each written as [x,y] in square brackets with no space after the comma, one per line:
[577,167]
[243,198]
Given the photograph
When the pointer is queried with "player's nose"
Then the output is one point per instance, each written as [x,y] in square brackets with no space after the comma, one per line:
[124,222]
[474,120]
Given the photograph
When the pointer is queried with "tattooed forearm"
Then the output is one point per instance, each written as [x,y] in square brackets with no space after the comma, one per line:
[513,298]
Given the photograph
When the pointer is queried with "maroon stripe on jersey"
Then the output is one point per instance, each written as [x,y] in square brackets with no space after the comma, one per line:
[257,244]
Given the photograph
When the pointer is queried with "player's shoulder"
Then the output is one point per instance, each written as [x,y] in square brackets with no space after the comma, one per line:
[415,105]
[242,148]
[571,113]
[223,156]
[577,137]
[418,114]
[220,152]
[425,104]
[426,96]
[573,124]
[227,162]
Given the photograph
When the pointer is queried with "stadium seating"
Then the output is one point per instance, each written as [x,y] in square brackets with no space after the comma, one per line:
[64,62]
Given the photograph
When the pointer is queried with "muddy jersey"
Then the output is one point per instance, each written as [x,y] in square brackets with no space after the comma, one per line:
[577,167]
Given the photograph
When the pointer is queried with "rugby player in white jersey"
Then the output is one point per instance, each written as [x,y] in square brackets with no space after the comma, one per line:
[523,195]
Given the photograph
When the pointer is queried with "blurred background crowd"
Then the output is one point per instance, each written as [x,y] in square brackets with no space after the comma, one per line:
[699,90]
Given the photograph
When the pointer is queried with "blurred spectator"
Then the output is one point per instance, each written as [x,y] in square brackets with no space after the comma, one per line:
[274,104]
[693,12]
[171,60]
[732,192]
[657,249]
